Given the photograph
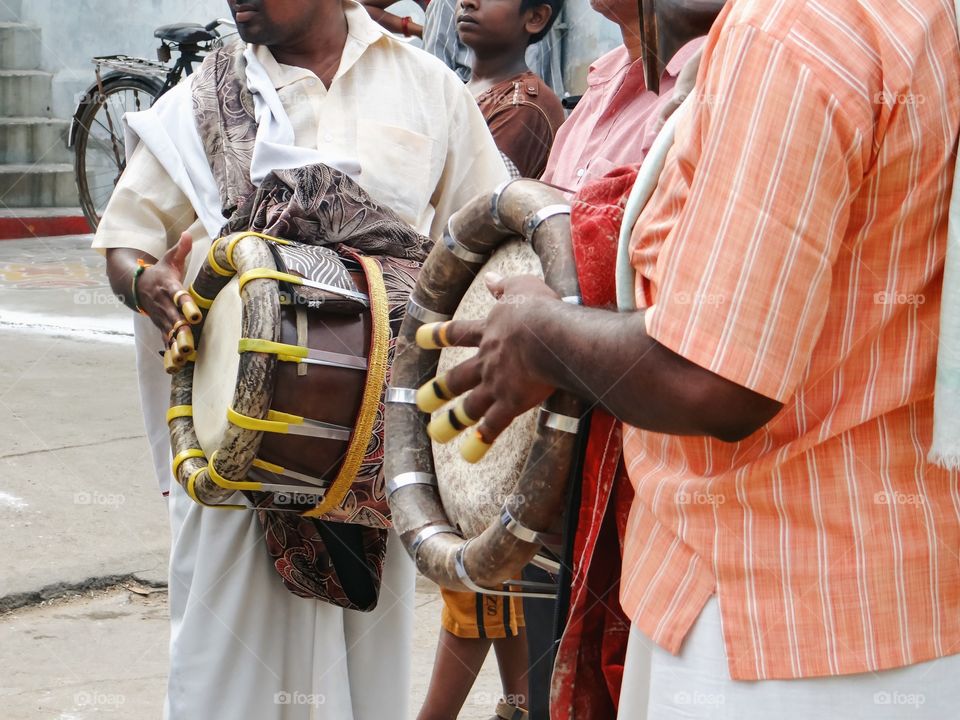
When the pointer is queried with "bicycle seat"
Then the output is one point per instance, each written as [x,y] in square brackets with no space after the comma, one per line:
[184,33]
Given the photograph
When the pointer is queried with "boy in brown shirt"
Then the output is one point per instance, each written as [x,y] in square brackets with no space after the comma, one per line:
[522,112]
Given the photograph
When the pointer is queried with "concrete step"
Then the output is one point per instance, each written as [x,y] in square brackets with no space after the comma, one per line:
[25,93]
[36,139]
[10,10]
[40,185]
[19,46]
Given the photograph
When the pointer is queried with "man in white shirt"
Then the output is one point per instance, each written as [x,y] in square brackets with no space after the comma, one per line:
[242,646]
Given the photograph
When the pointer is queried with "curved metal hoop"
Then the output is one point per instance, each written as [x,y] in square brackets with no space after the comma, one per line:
[491,561]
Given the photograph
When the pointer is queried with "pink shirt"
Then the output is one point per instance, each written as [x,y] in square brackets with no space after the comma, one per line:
[612,124]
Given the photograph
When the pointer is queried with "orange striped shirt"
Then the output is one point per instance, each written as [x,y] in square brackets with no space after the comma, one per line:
[795,246]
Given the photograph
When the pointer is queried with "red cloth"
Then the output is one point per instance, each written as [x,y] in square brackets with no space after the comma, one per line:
[589,666]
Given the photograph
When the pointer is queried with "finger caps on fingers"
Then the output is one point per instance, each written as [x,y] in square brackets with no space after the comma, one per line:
[188,307]
[185,340]
[474,447]
[433,336]
[169,366]
[176,352]
[434,395]
[172,333]
[451,423]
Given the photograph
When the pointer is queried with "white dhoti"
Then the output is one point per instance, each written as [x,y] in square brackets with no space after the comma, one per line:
[273,655]
[242,646]
[696,685]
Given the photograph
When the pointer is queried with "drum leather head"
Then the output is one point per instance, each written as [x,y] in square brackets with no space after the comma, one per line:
[473,494]
[215,373]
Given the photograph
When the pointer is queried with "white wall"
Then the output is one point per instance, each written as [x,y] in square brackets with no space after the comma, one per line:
[73,31]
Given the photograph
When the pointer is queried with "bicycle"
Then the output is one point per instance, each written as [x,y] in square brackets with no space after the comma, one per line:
[129,84]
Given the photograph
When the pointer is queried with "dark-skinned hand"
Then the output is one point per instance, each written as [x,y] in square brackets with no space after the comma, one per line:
[501,379]
[157,287]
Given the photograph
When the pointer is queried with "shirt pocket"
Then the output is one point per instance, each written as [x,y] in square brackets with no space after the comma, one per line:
[396,167]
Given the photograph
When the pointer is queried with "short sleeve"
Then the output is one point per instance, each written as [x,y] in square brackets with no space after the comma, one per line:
[147,211]
[751,210]
[523,133]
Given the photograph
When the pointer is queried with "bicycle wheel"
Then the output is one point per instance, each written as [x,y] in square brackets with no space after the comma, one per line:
[98,147]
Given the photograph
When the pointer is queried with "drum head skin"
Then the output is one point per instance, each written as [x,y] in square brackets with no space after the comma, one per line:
[473,495]
[215,373]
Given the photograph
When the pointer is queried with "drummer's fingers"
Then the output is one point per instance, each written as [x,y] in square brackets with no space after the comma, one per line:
[435,394]
[460,333]
[191,311]
[494,282]
[496,419]
[457,418]
[185,340]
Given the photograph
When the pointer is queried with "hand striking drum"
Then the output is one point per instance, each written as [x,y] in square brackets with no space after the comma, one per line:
[514,505]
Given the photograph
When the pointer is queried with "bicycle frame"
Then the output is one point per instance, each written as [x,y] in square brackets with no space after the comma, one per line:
[189,54]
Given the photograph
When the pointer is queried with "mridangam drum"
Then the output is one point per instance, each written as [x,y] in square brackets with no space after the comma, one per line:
[285,393]
[475,526]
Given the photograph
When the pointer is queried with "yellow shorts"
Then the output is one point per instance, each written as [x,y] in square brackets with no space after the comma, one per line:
[470,615]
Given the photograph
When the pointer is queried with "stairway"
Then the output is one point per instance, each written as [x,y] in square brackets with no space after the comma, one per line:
[36,168]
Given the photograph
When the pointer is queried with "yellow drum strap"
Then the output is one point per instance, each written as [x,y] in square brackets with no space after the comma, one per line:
[240,236]
[192,485]
[230,484]
[284,352]
[179,411]
[181,457]
[267,274]
[376,376]
[204,303]
[276,422]
[192,492]
[269,466]
[214,265]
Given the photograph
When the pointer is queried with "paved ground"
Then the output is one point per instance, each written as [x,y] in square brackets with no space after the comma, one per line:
[83,630]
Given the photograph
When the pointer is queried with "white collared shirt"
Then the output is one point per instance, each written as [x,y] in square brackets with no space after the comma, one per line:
[422,144]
